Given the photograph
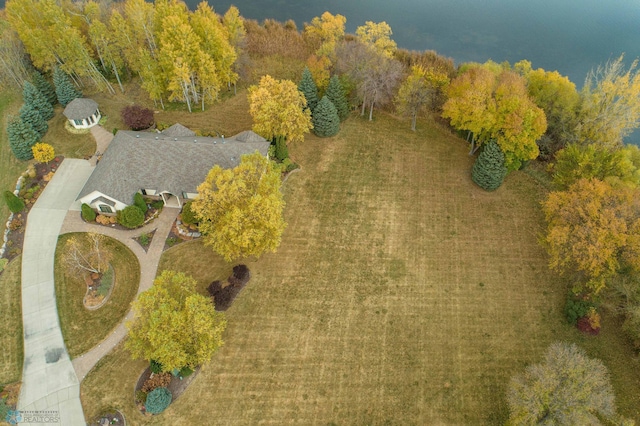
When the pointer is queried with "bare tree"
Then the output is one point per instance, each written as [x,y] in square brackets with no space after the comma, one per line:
[14,64]
[87,253]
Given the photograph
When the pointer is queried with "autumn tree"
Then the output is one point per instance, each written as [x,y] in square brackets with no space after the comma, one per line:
[65,90]
[21,138]
[43,152]
[567,388]
[174,325]
[326,121]
[325,32]
[593,231]
[278,109]
[335,93]
[378,36]
[87,253]
[14,65]
[381,78]
[610,108]
[417,92]
[36,100]
[308,88]
[559,99]
[240,210]
[618,166]
[236,35]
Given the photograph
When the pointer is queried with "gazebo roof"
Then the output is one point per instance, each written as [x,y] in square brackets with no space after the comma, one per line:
[80,108]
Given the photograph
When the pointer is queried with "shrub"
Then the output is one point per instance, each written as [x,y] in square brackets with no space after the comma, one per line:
[14,203]
[214,288]
[172,241]
[289,165]
[105,220]
[281,148]
[188,215]
[577,308]
[225,297]
[157,204]
[88,214]
[43,152]
[241,275]
[15,224]
[185,372]
[156,380]
[144,239]
[136,117]
[158,400]
[130,217]
[155,366]
[141,397]
[139,202]
[489,170]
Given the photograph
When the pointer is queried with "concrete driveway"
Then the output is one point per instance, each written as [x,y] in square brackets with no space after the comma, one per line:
[49,384]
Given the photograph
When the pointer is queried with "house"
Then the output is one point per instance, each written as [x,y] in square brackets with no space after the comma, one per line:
[162,165]
[82,113]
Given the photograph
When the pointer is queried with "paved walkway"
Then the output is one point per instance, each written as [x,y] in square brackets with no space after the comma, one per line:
[103,139]
[148,266]
[49,382]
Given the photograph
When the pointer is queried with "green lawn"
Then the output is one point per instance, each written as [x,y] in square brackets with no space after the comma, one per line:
[82,329]
[11,323]
[401,294]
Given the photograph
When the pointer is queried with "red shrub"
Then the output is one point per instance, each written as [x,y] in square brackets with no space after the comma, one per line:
[137,118]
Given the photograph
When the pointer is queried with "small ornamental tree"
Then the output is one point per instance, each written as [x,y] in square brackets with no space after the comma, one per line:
[309,89]
[336,95]
[14,203]
[136,117]
[130,217]
[43,152]
[88,213]
[158,400]
[568,388]
[139,202]
[32,117]
[21,138]
[65,90]
[43,85]
[33,97]
[326,121]
[489,170]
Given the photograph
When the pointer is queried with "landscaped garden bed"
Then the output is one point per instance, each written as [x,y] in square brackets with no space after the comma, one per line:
[176,384]
[109,417]
[99,288]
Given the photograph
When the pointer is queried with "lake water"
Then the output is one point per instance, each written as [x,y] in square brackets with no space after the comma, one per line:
[570,36]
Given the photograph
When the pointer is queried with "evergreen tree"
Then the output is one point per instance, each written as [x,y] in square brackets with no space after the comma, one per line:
[65,90]
[33,97]
[43,85]
[15,203]
[489,170]
[21,138]
[309,89]
[336,95]
[282,151]
[325,118]
[32,117]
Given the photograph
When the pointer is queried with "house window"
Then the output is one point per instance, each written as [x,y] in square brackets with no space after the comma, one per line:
[143,191]
[90,119]
[105,208]
[78,122]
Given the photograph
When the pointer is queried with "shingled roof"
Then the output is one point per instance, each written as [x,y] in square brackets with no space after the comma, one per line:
[144,160]
[178,130]
[80,108]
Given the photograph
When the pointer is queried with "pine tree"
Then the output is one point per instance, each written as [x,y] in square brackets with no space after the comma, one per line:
[43,85]
[325,118]
[489,169]
[32,117]
[336,95]
[282,151]
[33,97]
[65,90]
[21,138]
[309,89]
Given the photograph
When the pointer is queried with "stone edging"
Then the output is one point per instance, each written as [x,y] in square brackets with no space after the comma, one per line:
[16,191]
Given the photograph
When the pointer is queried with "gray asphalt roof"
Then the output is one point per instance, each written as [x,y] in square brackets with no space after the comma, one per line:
[80,108]
[178,130]
[144,160]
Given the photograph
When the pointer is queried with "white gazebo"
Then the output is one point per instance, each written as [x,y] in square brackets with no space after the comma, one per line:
[82,113]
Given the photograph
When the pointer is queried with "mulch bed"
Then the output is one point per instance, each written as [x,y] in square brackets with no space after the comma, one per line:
[16,237]
[174,238]
[150,238]
[111,417]
[176,386]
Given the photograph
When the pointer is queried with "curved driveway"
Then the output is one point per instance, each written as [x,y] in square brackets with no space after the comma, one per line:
[49,382]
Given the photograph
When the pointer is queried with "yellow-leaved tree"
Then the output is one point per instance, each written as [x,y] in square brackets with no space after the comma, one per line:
[174,325]
[593,230]
[240,210]
[324,33]
[43,152]
[417,91]
[278,110]
[378,36]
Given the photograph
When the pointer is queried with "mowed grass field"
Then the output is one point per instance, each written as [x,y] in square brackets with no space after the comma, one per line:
[401,294]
